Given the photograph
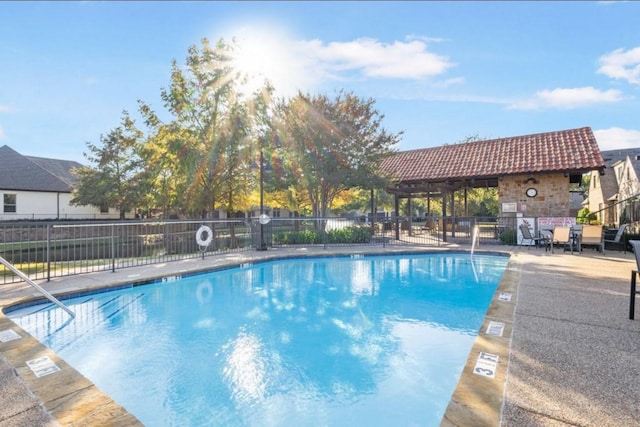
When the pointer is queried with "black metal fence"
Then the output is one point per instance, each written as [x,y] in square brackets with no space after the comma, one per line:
[44,250]
[625,211]
[48,249]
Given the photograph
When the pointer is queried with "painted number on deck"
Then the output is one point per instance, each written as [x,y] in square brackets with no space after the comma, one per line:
[486,365]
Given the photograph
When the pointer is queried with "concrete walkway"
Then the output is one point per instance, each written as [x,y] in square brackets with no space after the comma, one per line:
[574,356]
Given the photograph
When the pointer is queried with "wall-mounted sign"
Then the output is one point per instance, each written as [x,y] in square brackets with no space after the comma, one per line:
[548,223]
[509,207]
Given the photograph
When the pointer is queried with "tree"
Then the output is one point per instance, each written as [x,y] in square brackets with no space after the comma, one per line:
[164,177]
[332,145]
[208,139]
[117,179]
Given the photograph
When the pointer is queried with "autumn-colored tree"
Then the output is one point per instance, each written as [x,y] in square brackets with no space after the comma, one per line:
[204,149]
[116,178]
[331,145]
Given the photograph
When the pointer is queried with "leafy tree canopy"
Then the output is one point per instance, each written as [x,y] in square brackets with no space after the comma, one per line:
[116,179]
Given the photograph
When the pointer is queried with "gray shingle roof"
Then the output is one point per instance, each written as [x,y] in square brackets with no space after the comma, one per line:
[608,181]
[26,173]
[614,156]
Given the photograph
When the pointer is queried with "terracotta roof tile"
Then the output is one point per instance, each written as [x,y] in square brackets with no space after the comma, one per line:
[573,150]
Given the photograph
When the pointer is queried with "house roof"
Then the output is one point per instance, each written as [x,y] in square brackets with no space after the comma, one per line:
[572,151]
[608,181]
[28,173]
[611,157]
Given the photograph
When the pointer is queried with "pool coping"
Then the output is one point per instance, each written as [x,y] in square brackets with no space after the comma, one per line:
[479,395]
[72,399]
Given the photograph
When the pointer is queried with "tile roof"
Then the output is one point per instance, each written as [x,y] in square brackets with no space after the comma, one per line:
[18,172]
[573,150]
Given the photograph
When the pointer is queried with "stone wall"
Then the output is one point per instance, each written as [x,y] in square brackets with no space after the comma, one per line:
[552,198]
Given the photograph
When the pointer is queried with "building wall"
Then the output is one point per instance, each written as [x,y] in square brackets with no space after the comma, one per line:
[552,198]
[628,182]
[596,196]
[35,205]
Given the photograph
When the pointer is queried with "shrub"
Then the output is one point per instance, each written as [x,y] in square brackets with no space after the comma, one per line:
[309,237]
[509,237]
[585,216]
[349,235]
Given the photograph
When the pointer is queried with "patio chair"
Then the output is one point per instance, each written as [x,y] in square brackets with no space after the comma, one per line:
[562,236]
[527,236]
[618,239]
[592,236]
[635,244]
[548,239]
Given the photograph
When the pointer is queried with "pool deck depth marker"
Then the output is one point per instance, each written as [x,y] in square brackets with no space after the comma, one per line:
[477,399]
[9,335]
[486,365]
[42,366]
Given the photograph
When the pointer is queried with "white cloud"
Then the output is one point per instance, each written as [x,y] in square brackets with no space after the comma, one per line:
[426,39]
[398,60]
[292,64]
[5,109]
[449,82]
[616,138]
[566,99]
[621,64]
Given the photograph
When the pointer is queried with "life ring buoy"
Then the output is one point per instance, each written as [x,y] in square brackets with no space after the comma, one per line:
[204,229]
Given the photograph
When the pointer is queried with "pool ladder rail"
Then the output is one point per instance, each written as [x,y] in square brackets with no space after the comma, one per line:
[37,287]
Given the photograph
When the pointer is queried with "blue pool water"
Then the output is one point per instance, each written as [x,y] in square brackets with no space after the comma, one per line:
[341,341]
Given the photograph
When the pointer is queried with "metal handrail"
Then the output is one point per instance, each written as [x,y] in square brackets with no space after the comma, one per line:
[36,286]
[600,212]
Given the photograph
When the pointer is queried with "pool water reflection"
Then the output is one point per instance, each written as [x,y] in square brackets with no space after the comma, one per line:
[375,340]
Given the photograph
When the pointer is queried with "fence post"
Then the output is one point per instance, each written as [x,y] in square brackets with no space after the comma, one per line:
[48,252]
[323,230]
[113,249]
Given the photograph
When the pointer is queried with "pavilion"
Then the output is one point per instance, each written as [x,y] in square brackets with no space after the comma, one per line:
[532,172]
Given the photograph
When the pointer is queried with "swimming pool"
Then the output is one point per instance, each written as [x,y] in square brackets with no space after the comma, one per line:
[374,340]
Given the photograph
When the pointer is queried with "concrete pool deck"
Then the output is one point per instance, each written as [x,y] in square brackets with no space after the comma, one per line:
[569,355]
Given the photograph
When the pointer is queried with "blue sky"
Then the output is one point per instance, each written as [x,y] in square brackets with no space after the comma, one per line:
[439,71]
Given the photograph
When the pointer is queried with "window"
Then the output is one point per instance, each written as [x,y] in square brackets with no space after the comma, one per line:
[104,209]
[275,213]
[10,203]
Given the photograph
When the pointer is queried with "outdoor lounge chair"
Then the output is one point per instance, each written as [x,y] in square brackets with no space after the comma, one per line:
[635,244]
[548,242]
[618,239]
[528,237]
[562,236]
[592,236]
